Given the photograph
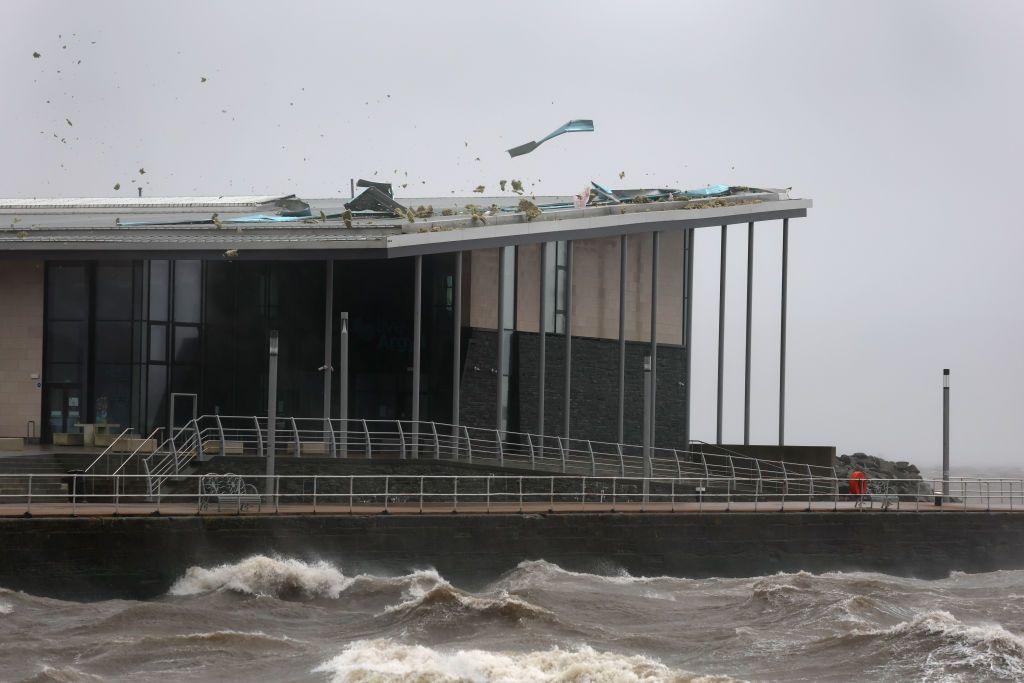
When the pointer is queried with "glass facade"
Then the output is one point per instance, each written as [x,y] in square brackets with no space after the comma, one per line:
[121,337]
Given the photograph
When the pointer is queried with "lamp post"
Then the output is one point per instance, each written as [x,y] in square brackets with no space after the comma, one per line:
[945,434]
[271,411]
[647,427]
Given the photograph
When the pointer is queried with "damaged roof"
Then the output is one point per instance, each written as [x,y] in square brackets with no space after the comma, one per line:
[285,226]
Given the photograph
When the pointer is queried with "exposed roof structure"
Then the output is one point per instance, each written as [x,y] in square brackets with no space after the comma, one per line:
[282,226]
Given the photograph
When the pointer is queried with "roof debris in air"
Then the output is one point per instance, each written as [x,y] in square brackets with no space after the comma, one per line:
[574,126]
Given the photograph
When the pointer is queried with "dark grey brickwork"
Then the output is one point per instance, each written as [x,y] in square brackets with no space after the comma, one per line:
[594,391]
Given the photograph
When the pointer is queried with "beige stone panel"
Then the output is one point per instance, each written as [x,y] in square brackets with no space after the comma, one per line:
[483,289]
[21,344]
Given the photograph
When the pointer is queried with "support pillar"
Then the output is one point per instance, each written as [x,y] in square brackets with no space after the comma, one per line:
[542,336]
[502,294]
[688,247]
[750,308]
[568,335]
[328,342]
[622,339]
[655,246]
[343,381]
[721,336]
[271,412]
[782,334]
[417,324]
[456,340]
[945,434]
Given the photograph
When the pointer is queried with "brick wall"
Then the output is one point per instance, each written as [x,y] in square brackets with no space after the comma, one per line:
[21,344]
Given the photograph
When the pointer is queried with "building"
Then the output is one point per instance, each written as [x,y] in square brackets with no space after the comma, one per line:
[127,311]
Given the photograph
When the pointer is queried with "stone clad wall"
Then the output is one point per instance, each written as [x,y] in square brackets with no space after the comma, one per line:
[140,557]
[21,345]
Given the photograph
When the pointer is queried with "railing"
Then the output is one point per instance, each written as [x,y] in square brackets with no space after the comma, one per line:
[101,494]
[106,451]
[406,439]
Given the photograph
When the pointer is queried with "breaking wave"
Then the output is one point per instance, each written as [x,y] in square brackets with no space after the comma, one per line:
[265,576]
[384,661]
[953,646]
[428,593]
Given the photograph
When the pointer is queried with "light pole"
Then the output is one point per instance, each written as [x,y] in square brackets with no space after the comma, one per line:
[945,434]
[646,429]
[271,411]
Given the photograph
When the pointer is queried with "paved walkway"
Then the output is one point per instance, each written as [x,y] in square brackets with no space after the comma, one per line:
[128,509]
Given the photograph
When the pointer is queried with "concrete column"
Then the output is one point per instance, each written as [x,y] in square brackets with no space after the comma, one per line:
[271,412]
[750,309]
[721,336]
[417,324]
[502,295]
[343,381]
[688,248]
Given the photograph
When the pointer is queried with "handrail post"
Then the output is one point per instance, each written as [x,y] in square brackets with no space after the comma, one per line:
[117,494]
[593,461]
[810,495]
[533,460]
[401,440]
[501,449]
[421,495]
[351,487]
[835,483]
[455,495]
[520,495]
[259,437]
[332,449]
[673,493]
[369,447]
[615,492]
[732,467]
[74,494]
[622,460]
[28,504]
[295,436]
[583,494]
[469,443]
[561,451]
[552,503]
[437,442]
[679,468]
[785,487]
[220,432]
[489,493]
[387,488]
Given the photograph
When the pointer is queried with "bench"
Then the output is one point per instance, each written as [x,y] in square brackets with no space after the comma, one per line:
[68,439]
[228,490]
[309,448]
[12,443]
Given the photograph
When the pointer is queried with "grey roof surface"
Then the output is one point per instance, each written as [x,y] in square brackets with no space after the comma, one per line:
[180,226]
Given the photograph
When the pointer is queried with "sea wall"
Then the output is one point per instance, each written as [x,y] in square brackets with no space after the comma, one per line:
[140,557]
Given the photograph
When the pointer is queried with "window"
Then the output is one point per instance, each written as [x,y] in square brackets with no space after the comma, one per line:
[188,287]
[158,272]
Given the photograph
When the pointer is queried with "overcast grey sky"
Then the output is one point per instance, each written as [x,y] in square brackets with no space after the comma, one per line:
[902,120]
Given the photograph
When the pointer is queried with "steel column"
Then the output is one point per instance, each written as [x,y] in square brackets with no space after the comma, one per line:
[456,340]
[622,338]
[417,324]
[502,294]
[721,335]
[687,337]
[648,419]
[655,245]
[782,334]
[568,334]
[542,336]
[328,337]
[750,308]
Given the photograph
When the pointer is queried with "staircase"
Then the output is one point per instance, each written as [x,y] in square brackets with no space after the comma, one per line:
[49,476]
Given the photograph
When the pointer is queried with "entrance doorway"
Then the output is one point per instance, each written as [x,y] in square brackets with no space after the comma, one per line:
[63,408]
[183,410]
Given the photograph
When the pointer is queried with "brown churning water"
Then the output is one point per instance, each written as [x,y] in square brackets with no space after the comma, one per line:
[282,619]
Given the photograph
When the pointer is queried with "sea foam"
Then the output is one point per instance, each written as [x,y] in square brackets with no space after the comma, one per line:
[384,661]
[269,576]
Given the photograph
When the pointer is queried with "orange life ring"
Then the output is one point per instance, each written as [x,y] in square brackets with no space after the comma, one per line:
[858,483]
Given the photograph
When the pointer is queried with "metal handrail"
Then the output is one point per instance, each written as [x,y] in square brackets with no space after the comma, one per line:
[106,450]
[335,494]
[136,451]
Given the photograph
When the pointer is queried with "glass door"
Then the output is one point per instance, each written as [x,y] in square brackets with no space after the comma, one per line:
[63,409]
